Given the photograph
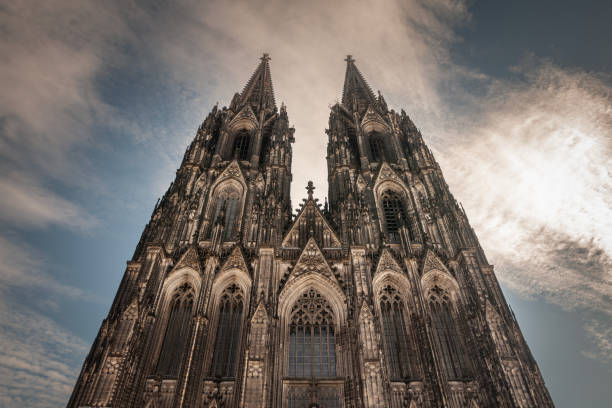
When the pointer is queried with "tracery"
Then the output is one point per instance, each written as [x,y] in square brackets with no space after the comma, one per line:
[229,329]
[395,333]
[446,333]
[312,347]
[228,207]
[240,149]
[393,209]
[177,331]
[377,147]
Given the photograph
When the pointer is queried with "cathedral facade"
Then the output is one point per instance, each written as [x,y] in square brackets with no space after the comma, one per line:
[381,297]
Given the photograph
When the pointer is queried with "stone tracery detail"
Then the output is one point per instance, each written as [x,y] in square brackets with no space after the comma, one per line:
[177,330]
[229,328]
[312,338]
[395,333]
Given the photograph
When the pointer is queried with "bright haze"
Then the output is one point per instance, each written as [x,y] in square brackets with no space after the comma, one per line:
[100,99]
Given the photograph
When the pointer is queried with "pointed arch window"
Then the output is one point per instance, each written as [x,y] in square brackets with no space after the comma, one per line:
[228,206]
[177,331]
[393,208]
[240,149]
[377,147]
[312,341]
[395,333]
[447,335]
[229,331]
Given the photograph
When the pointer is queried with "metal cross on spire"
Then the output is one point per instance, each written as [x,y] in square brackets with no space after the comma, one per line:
[310,188]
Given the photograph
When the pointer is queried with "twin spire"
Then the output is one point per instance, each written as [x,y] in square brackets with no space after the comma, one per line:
[356,89]
[259,92]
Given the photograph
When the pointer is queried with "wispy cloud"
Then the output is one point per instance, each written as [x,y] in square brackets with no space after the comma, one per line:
[38,359]
[25,203]
[533,171]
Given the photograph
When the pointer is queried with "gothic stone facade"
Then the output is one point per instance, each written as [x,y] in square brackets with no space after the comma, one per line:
[382,297]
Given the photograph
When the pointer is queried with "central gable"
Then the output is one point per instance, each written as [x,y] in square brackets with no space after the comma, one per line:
[310,223]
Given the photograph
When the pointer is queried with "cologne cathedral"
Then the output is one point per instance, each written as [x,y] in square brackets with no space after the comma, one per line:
[381,297]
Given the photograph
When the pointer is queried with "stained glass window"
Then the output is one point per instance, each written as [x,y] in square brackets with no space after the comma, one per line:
[447,334]
[395,334]
[228,333]
[312,343]
[177,331]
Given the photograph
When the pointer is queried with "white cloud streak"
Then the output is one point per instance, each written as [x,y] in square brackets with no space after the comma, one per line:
[533,172]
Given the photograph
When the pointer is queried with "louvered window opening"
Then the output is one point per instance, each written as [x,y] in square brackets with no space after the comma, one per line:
[377,148]
[392,206]
[312,342]
[241,146]
[447,335]
[231,202]
[177,332]
[228,335]
[395,334]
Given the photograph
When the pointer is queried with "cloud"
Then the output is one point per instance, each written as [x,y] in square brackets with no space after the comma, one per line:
[601,334]
[533,172]
[24,267]
[38,359]
[25,203]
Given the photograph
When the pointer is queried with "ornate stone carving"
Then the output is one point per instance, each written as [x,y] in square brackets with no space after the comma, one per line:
[308,285]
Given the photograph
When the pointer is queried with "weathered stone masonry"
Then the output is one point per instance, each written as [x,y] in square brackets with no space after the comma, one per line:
[381,297]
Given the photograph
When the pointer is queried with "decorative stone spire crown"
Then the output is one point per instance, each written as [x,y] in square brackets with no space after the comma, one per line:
[259,92]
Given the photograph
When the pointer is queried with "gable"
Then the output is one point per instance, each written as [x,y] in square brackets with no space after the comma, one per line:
[387,263]
[244,119]
[235,261]
[189,260]
[432,262]
[310,223]
[372,121]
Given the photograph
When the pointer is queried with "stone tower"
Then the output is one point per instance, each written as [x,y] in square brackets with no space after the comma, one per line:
[380,298]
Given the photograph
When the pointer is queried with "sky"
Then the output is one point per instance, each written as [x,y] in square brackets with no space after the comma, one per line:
[100,99]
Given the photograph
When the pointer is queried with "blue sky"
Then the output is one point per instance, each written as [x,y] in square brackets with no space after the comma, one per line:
[100,99]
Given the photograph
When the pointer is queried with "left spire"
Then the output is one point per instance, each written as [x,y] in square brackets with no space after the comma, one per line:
[259,92]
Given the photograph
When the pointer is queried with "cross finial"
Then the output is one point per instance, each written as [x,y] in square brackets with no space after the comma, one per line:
[349,59]
[266,57]
[310,188]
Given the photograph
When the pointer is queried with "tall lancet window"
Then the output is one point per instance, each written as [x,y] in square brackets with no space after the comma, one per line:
[377,147]
[228,206]
[446,334]
[393,208]
[312,343]
[395,333]
[229,331]
[177,331]
[240,149]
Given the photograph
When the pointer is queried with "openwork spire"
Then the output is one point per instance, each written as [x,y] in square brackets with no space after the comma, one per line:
[259,92]
[356,89]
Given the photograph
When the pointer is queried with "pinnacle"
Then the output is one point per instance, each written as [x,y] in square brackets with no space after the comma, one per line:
[356,87]
[310,189]
[258,91]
